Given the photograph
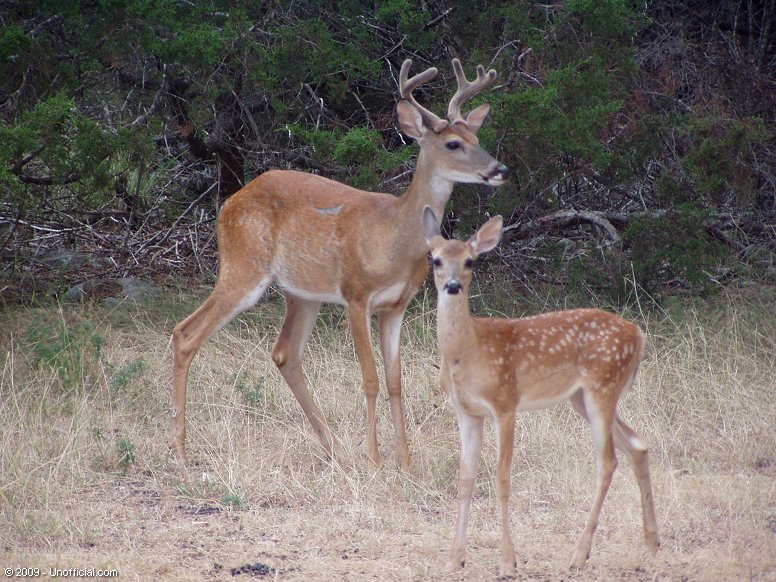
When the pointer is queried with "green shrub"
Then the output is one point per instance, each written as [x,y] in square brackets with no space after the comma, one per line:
[720,157]
[72,349]
[126,453]
[128,373]
[233,500]
[675,249]
[257,393]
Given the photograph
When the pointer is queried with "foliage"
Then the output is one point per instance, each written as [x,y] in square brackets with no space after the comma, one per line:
[126,453]
[72,349]
[68,147]
[360,148]
[256,393]
[720,155]
[139,116]
[563,120]
[609,20]
[128,373]
[675,247]
[233,500]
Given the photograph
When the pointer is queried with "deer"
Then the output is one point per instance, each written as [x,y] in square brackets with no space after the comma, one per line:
[495,367]
[318,240]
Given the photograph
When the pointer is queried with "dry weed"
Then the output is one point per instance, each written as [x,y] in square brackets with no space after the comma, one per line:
[87,480]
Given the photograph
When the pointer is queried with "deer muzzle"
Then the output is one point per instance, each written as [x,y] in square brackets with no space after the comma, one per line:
[498,175]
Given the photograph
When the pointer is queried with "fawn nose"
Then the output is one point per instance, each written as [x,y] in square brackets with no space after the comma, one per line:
[453,287]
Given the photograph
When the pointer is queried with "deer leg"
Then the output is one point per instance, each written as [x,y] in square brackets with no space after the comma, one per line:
[287,355]
[505,432]
[470,428]
[628,440]
[224,303]
[631,443]
[578,404]
[390,344]
[358,315]
[600,419]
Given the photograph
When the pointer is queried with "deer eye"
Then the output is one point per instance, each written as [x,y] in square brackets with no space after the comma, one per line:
[436,261]
[453,145]
[468,263]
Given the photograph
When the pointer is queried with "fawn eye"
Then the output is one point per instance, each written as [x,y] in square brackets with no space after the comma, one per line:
[453,145]
[468,263]
[436,261]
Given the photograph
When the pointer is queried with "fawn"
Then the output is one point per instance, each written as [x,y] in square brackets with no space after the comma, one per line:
[494,367]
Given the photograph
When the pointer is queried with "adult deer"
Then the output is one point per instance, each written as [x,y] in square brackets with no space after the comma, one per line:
[494,367]
[322,241]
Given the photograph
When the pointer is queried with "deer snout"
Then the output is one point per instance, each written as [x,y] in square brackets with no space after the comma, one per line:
[501,172]
[453,287]
[498,175]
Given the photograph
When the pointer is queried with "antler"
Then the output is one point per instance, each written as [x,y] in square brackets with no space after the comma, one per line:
[467,89]
[407,86]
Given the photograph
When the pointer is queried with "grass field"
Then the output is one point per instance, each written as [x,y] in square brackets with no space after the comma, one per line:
[87,479]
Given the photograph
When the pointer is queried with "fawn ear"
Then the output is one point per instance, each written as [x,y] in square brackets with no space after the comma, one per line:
[488,236]
[430,225]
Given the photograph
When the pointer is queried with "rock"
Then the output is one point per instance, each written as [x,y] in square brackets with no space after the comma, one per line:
[66,261]
[92,288]
[113,292]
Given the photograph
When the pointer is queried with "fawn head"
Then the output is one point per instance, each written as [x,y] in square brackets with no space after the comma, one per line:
[453,259]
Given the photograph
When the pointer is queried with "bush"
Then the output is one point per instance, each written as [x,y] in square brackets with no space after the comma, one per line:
[72,349]
[675,250]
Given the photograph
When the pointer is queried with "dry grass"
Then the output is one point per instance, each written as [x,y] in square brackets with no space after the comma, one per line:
[86,478]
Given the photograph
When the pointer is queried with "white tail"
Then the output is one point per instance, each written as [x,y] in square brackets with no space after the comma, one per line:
[493,367]
[322,241]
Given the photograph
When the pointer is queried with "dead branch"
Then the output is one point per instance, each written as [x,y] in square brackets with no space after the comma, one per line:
[564,219]
[156,103]
[434,21]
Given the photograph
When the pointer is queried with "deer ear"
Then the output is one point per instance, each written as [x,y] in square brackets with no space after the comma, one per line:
[488,236]
[410,119]
[430,225]
[476,117]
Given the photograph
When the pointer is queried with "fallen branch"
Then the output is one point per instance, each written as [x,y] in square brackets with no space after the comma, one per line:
[565,219]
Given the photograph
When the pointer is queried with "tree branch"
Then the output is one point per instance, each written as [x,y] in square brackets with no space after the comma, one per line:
[434,21]
[48,180]
[156,103]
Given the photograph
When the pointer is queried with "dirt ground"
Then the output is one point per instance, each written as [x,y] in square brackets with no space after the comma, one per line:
[145,528]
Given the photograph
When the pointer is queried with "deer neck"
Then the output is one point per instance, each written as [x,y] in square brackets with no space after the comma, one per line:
[427,188]
[455,326]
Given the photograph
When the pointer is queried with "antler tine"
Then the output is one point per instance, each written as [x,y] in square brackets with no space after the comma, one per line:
[407,86]
[467,89]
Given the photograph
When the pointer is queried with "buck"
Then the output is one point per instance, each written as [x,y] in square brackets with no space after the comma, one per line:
[495,367]
[321,241]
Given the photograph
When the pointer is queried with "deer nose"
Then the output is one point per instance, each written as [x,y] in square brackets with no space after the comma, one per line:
[503,171]
[453,287]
